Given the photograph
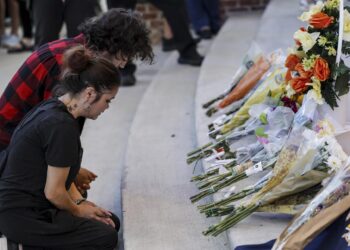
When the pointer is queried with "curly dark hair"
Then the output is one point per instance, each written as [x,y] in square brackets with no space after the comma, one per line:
[119,31]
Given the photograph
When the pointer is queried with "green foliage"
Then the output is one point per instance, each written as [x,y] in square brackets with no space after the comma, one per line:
[341,85]
[329,95]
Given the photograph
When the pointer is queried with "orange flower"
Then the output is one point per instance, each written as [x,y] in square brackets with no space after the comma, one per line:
[291,61]
[288,75]
[321,69]
[320,20]
[302,72]
[299,84]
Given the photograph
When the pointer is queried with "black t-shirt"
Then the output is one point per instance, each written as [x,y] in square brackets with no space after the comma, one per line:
[48,135]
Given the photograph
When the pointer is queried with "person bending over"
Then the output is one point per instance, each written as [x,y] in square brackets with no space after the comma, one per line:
[39,206]
[117,35]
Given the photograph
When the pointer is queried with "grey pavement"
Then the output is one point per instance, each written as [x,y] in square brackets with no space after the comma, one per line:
[157,212]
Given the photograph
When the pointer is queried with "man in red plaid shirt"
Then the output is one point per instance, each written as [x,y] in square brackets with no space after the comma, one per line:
[117,35]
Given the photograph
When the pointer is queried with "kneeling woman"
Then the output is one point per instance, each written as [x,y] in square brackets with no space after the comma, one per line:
[39,205]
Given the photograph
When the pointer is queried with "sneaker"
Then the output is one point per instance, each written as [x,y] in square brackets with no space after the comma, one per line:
[168,45]
[205,33]
[11,41]
[128,80]
[190,56]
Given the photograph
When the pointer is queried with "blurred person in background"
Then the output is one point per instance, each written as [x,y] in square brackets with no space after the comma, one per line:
[49,16]
[205,17]
[26,42]
[175,13]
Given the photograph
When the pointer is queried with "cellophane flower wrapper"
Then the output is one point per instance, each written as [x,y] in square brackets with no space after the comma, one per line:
[248,61]
[273,84]
[287,159]
[276,131]
[337,188]
[294,148]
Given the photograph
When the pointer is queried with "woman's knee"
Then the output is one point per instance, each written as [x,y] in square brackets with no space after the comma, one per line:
[116,221]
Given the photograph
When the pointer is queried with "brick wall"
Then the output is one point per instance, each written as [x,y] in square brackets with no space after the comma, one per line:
[153,16]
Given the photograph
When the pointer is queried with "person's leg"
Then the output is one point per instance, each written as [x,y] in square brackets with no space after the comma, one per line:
[126,4]
[26,42]
[57,230]
[2,19]
[14,14]
[48,20]
[197,14]
[75,13]
[175,13]
[128,74]
[26,20]
[212,8]
[13,40]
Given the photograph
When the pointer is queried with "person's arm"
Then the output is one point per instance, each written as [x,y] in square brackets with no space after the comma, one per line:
[77,197]
[83,179]
[56,193]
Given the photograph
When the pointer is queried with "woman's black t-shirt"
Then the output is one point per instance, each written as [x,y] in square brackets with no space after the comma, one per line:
[49,137]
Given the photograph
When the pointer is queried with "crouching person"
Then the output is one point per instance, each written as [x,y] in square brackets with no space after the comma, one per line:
[39,206]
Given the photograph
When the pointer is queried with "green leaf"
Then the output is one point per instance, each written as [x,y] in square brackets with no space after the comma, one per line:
[263,118]
[260,132]
[329,95]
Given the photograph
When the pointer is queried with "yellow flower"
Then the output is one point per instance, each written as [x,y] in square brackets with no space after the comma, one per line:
[322,41]
[307,40]
[290,91]
[309,63]
[331,51]
[325,127]
[316,8]
[346,36]
[295,51]
[332,4]
[315,92]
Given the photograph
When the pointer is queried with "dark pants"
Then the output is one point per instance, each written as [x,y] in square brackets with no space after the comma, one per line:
[204,13]
[57,230]
[49,17]
[176,15]
[26,20]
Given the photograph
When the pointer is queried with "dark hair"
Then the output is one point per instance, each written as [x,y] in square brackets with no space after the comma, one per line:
[80,70]
[118,31]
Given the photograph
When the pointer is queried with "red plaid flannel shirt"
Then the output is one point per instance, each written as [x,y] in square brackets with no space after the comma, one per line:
[31,84]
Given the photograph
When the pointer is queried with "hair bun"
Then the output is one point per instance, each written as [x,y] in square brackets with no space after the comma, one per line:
[76,59]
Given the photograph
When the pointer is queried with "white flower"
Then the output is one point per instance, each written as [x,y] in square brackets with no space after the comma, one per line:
[346,36]
[295,51]
[334,162]
[305,17]
[334,148]
[306,39]
[290,91]
[314,95]
[315,92]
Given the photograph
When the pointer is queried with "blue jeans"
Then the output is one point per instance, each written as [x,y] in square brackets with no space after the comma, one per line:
[204,13]
[329,239]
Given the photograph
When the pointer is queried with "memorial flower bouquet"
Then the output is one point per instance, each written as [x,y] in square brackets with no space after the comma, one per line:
[304,162]
[315,64]
[334,192]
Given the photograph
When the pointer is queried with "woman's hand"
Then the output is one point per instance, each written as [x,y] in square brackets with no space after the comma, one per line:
[88,211]
[83,179]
